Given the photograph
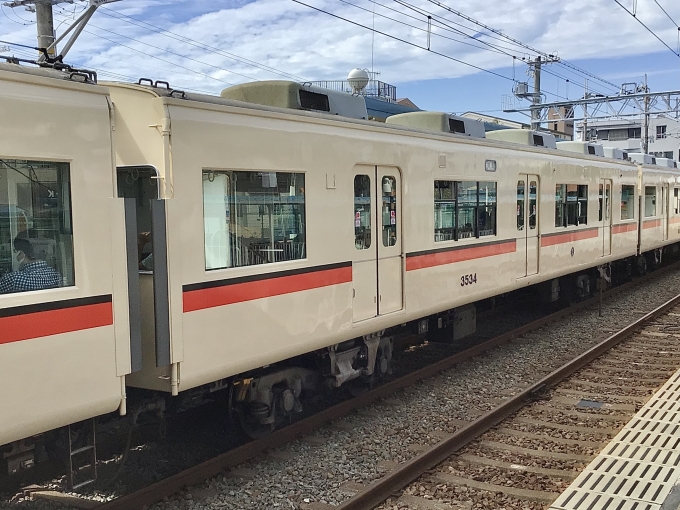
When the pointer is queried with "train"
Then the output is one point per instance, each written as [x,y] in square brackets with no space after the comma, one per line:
[158,245]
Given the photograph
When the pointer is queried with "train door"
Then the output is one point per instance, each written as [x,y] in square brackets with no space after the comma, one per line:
[377,268]
[365,263]
[147,265]
[390,260]
[527,222]
[606,216]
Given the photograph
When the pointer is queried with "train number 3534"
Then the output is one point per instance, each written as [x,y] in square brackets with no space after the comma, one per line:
[468,279]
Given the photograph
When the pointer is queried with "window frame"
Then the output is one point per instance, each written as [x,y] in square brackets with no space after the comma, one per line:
[232,207]
[630,201]
[656,199]
[455,187]
[567,211]
[43,231]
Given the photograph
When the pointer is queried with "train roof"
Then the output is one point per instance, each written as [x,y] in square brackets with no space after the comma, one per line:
[190,99]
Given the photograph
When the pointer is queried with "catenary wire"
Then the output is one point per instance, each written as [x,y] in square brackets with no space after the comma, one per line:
[494,47]
[666,13]
[405,41]
[148,26]
[521,44]
[158,58]
[419,28]
[677,54]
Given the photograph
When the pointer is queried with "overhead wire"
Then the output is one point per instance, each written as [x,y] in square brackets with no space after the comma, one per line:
[666,13]
[493,47]
[410,43]
[415,27]
[676,53]
[159,58]
[172,35]
[520,43]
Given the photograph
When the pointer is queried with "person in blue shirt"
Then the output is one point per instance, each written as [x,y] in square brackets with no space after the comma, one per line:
[33,274]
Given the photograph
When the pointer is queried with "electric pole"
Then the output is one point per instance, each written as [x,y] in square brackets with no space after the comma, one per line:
[584,135]
[45,22]
[535,112]
[645,138]
[535,69]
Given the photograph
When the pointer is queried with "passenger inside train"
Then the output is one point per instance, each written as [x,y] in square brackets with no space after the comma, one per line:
[36,239]
[33,274]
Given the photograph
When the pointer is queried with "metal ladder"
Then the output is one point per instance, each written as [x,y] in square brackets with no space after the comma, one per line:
[82,454]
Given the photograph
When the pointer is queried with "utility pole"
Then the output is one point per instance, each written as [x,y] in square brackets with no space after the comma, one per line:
[584,135]
[645,139]
[45,25]
[535,112]
[45,22]
[535,96]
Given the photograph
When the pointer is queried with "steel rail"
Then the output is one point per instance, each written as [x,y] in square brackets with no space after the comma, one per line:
[383,488]
[167,487]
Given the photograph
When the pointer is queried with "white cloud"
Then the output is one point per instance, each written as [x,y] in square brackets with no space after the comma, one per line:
[294,39]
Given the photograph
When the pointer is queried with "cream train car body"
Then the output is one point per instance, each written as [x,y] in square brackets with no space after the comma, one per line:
[660,208]
[63,358]
[372,257]
[280,239]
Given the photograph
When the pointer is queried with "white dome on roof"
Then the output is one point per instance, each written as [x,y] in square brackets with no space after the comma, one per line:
[358,79]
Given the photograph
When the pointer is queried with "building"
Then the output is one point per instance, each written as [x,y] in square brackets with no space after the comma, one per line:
[664,135]
[559,124]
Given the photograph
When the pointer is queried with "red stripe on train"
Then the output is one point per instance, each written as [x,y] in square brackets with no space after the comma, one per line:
[26,326]
[459,255]
[624,227]
[568,237]
[247,291]
[651,223]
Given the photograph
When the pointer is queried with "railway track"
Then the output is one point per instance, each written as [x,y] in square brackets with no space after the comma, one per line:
[525,452]
[365,495]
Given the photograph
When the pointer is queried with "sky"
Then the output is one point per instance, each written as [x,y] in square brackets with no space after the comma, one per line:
[206,46]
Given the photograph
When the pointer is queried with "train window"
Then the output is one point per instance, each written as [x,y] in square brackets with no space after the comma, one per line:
[486,212]
[362,212]
[533,204]
[627,202]
[467,209]
[253,218]
[571,205]
[444,210]
[464,210]
[389,210]
[600,197]
[520,205]
[650,201]
[560,204]
[36,238]
[676,201]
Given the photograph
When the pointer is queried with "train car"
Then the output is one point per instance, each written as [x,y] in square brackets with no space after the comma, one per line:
[189,244]
[63,357]
[295,241]
[659,211]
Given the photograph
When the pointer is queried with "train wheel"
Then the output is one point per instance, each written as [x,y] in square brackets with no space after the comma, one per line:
[245,422]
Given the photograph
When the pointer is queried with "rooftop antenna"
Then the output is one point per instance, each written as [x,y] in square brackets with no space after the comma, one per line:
[373,37]
[45,23]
